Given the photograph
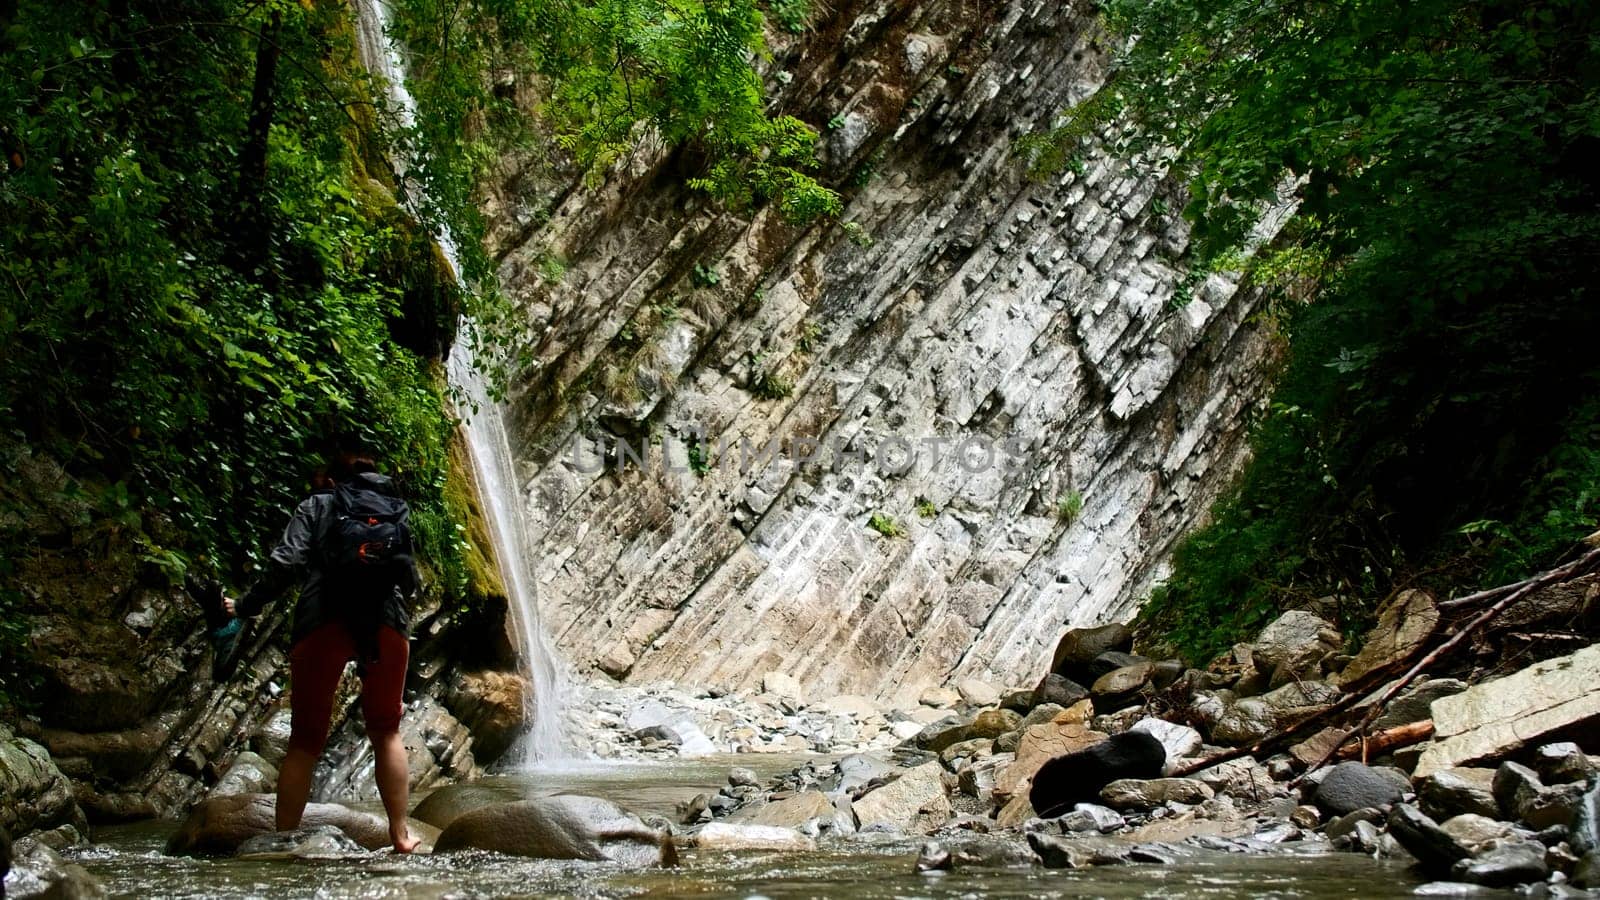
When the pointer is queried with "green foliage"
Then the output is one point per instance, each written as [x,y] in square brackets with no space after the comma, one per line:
[810,333]
[1443,376]
[926,509]
[699,460]
[793,15]
[769,385]
[610,72]
[705,276]
[151,344]
[886,525]
[1069,506]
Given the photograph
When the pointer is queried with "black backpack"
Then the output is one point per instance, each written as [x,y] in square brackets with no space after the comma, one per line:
[366,549]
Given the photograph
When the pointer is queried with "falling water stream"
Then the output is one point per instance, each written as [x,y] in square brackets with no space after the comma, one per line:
[485,434]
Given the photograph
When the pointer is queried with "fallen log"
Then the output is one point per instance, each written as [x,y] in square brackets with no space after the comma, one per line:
[1528,586]
[1360,692]
[1364,748]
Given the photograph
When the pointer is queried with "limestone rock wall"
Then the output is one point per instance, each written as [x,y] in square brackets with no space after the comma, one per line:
[1059,317]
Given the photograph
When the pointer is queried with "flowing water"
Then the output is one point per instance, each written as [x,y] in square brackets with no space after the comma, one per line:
[129,859]
[485,435]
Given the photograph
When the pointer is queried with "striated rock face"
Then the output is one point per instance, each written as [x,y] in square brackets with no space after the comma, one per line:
[1058,317]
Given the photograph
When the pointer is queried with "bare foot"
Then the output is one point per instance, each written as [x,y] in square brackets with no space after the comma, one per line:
[405,843]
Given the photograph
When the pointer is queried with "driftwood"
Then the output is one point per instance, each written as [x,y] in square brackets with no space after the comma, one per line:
[1363,748]
[1358,692]
[1527,586]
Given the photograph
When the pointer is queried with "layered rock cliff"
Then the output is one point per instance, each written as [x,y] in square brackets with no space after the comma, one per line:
[1055,324]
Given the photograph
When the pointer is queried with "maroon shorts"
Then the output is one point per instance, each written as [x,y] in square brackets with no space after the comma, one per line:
[317,662]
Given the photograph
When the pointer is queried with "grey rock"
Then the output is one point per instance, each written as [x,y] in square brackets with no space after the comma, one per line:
[1562,763]
[1478,833]
[1079,646]
[1454,792]
[34,794]
[1091,817]
[726,836]
[1515,785]
[271,740]
[1018,701]
[1306,817]
[247,774]
[1499,717]
[915,802]
[1245,722]
[1113,660]
[1062,852]
[1415,703]
[1435,850]
[1505,866]
[1523,797]
[1059,691]
[1350,786]
[1178,740]
[1290,632]
[39,872]
[858,769]
[1451,889]
[1586,820]
[739,776]
[978,778]
[1346,823]
[933,857]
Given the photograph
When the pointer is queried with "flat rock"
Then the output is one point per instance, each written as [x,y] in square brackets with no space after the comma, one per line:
[1415,703]
[1119,685]
[796,812]
[977,693]
[1477,833]
[782,684]
[726,836]
[1061,852]
[217,826]
[939,698]
[1131,793]
[1058,689]
[1505,866]
[1404,625]
[1091,817]
[1562,762]
[1493,719]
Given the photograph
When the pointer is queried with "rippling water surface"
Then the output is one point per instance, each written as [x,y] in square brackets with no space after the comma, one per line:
[129,859]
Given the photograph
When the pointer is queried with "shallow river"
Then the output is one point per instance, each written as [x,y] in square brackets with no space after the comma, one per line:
[129,859]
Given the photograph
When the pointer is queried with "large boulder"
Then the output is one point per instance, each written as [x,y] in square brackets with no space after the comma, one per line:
[1350,786]
[1059,690]
[1079,646]
[565,826]
[1497,718]
[915,802]
[33,793]
[1040,743]
[446,804]
[39,872]
[1289,635]
[247,774]
[1244,722]
[1404,625]
[1078,776]
[217,826]
[1136,793]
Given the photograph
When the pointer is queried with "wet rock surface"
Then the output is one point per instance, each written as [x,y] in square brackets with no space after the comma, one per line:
[559,827]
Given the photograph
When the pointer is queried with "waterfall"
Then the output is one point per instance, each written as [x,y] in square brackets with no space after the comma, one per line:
[485,434]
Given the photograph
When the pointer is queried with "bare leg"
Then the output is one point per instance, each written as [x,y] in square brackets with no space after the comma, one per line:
[394,786]
[294,786]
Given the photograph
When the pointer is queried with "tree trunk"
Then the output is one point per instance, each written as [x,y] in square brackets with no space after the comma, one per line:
[252,231]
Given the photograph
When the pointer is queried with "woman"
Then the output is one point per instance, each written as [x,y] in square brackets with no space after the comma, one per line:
[349,547]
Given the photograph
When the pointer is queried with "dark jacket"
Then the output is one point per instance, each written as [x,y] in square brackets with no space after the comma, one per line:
[298,556]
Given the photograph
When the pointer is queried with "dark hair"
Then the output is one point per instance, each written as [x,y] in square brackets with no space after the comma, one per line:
[349,463]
